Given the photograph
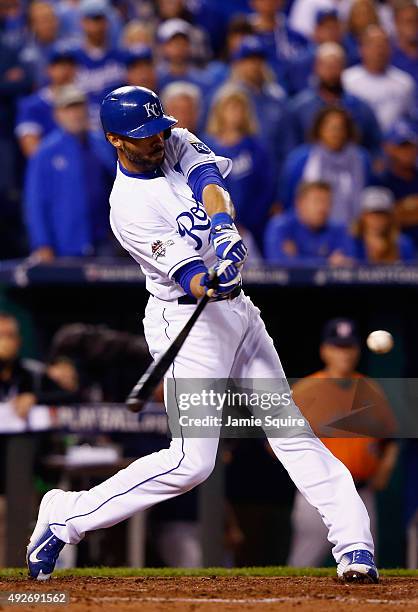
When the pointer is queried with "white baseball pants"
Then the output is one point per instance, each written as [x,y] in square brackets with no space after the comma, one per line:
[229,339]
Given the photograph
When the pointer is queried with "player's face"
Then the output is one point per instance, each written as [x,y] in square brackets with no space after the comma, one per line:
[140,154]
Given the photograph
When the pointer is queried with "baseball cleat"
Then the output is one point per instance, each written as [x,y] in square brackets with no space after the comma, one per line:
[358,566]
[44,547]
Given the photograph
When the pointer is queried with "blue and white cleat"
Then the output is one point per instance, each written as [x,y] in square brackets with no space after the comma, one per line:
[358,566]
[44,547]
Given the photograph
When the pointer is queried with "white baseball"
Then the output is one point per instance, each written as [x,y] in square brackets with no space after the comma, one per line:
[380,341]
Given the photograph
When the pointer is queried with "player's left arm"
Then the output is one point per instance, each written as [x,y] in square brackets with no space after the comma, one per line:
[205,174]
[225,237]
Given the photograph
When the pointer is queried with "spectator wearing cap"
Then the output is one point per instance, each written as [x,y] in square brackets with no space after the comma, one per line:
[183,101]
[401,174]
[405,49]
[140,68]
[44,35]
[389,91]
[101,66]
[377,237]
[70,13]
[177,62]
[363,13]
[328,29]
[306,234]
[280,41]
[337,391]
[68,183]
[327,89]
[332,156]
[239,28]
[203,23]
[35,118]
[250,71]
[233,131]
[303,13]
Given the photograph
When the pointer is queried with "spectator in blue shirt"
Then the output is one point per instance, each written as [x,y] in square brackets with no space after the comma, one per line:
[334,157]
[401,174]
[306,235]
[363,13]
[67,185]
[405,51]
[101,66]
[327,89]
[377,237]
[177,62]
[232,132]
[328,29]
[13,24]
[35,118]
[250,71]
[14,82]
[44,34]
[280,41]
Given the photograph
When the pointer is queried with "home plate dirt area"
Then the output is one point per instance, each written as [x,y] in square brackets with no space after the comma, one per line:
[217,592]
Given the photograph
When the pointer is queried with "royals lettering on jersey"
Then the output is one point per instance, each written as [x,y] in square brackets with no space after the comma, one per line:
[158,221]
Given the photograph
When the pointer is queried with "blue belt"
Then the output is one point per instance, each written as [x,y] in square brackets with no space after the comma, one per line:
[189,299]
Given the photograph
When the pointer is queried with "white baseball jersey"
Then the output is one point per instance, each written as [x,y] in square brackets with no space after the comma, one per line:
[391,94]
[158,220]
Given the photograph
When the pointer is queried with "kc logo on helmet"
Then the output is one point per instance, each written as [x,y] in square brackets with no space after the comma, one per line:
[152,109]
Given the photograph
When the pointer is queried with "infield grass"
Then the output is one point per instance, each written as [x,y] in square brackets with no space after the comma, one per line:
[164,572]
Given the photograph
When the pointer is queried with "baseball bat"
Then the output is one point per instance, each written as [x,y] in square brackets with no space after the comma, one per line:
[150,380]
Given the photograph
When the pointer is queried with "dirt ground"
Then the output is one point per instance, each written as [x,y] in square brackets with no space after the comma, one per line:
[232,594]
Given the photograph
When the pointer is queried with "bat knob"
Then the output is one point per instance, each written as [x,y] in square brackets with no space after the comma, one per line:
[135,404]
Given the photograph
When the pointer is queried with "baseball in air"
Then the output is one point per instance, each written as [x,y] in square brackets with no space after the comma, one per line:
[380,341]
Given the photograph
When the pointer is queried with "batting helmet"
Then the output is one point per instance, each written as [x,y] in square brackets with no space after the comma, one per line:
[135,112]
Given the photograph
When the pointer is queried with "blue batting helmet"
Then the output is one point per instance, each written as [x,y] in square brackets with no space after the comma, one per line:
[136,112]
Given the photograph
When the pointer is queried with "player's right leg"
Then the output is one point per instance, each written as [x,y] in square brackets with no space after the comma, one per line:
[65,517]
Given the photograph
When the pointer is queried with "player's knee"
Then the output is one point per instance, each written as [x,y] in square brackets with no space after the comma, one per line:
[198,471]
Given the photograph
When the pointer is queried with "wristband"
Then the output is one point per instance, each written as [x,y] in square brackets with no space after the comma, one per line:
[222,218]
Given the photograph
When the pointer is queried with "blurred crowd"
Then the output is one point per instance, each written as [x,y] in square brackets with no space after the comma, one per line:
[315,101]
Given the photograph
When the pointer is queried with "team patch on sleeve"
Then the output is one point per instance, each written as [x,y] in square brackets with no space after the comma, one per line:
[159,248]
[200,147]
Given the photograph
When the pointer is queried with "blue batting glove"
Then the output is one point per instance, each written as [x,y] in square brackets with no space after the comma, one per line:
[226,240]
[223,278]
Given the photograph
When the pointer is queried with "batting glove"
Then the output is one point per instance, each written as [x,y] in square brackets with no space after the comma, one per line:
[226,240]
[223,278]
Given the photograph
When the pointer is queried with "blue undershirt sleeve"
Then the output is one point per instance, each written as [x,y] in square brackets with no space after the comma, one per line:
[184,275]
[200,177]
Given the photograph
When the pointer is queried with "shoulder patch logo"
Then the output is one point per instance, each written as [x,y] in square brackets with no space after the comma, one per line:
[158,248]
[200,147]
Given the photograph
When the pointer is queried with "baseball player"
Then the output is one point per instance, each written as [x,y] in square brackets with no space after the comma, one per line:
[171,212]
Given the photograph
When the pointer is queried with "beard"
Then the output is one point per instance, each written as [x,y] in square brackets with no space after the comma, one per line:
[144,163]
[334,87]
